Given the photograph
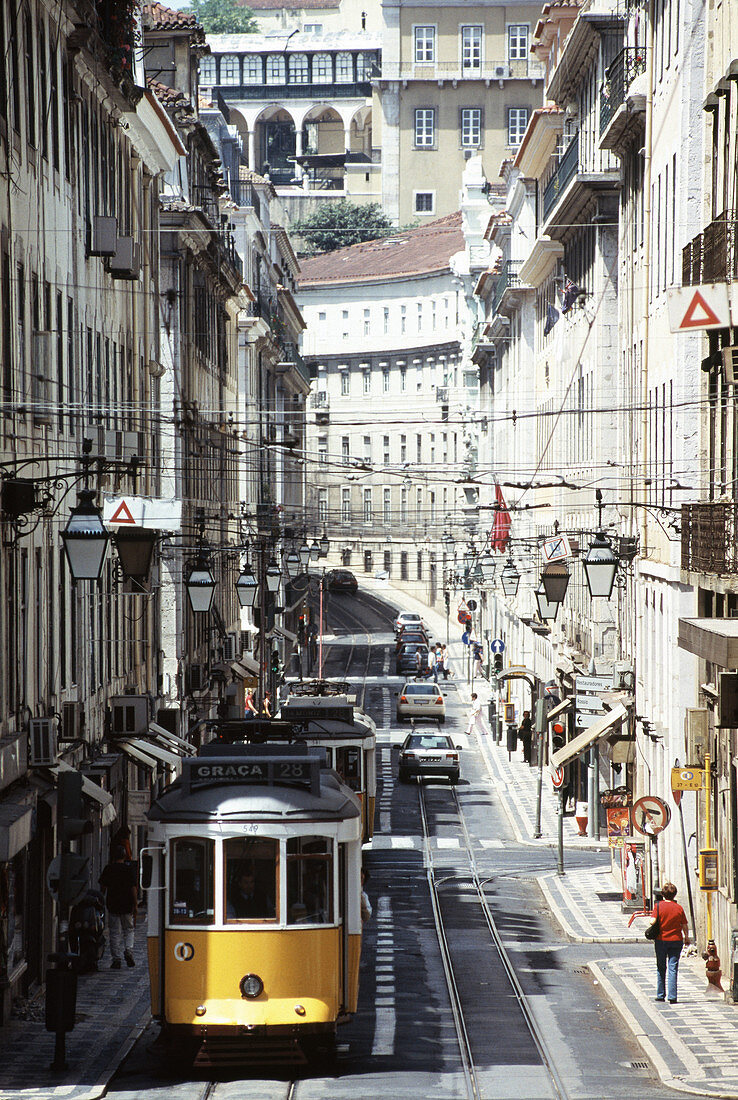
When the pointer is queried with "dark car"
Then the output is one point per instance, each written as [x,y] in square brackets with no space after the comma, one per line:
[408,637]
[407,659]
[428,754]
[343,580]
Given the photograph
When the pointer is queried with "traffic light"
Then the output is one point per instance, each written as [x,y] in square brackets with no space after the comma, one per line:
[447,600]
[275,662]
[558,736]
[72,821]
[498,662]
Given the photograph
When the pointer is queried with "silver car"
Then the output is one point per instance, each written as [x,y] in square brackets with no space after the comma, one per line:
[428,754]
[421,699]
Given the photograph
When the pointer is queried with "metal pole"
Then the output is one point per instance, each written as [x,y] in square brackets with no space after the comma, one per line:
[686,872]
[560,832]
[262,627]
[320,635]
[540,722]
[591,807]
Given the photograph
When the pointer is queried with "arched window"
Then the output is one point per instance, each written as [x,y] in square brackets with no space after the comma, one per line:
[299,69]
[344,68]
[207,72]
[322,69]
[252,69]
[276,71]
[364,62]
[230,69]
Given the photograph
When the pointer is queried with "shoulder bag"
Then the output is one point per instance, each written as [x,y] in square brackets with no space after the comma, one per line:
[652,932]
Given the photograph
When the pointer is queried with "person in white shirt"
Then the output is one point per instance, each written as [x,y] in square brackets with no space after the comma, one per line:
[476,721]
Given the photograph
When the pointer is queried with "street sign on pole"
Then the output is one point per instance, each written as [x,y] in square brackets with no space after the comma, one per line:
[585,719]
[557,777]
[588,702]
[497,646]
[592,683]
[698,307]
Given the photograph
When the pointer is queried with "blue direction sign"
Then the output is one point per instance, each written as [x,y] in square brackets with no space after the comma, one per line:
[497,646]
[465,637]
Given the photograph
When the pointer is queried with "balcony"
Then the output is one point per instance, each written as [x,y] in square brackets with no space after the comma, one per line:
[567,169]
[619,76]
[290,359]
[245,194]
[712,256]
[518,69]
[508,278]
[358,89]
[710,538]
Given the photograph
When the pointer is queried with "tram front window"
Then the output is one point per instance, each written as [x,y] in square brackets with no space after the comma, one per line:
[191,887]
[309,880]
[348,766]
[251,868]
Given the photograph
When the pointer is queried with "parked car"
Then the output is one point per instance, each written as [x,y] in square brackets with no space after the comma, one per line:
[407,659]
[428,754]
[343,580]
[408,618]
[421,699]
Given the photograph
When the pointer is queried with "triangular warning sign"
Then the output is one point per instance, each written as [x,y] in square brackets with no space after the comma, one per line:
[699,314]
[122,514]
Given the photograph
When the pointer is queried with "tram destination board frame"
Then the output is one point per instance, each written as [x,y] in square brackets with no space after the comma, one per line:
[272,768]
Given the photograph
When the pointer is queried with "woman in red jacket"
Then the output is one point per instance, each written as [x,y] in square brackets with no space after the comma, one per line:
[673,934]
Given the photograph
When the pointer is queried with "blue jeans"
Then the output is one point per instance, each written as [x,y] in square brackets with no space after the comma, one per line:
[667,965]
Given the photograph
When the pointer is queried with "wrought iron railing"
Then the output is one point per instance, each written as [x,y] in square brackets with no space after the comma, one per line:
[710,538]
[566,170]
[619,76]
[712,256]
[355,90]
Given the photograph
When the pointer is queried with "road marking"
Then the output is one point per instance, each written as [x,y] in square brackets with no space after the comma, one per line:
[385,1024]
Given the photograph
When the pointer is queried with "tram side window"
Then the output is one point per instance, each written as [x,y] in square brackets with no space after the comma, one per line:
[309,880]
[348,766]
[192,889]
[251,870]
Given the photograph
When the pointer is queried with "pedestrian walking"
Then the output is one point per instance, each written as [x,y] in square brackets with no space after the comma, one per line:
[671,936]
[525,733]
[266,704]
[476,721]
[122,839]
[433,663]
[444,657]
[118,880]
[478,655]
[249,707]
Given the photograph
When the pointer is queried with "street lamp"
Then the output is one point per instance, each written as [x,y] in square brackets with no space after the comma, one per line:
[135,551]
[555,581]
[246,587]
[200,585]
[85,539]
[547,609]
[600,566]
[510,578]
[324,546]
[315,550]
[292,564]
[487,565]
[273,576]
[304,554]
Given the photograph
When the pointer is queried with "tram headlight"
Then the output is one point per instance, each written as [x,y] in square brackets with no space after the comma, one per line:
[251,986]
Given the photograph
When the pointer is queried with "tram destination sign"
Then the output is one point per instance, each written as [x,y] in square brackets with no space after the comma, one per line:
[267,770]
[302,712]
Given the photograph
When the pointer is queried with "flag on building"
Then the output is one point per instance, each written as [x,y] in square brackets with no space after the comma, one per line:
[570,295]
[552,316]
[501,527]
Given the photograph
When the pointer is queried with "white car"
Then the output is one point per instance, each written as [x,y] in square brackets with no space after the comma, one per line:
[421,699]
[408,618]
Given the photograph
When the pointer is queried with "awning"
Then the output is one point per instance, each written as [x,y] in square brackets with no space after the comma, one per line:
[91,790]
[166,737]
[251,666]
[564,705]
[16,827]
[716,640]
[284,632]
[587,737]
[151,753]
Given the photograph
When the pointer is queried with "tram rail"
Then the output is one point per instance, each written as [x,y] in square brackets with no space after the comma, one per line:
[477,882]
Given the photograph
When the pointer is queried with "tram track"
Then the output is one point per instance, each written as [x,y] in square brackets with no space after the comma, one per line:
[472,882]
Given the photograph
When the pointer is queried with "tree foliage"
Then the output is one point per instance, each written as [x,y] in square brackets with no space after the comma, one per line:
[339,224]
[224,17]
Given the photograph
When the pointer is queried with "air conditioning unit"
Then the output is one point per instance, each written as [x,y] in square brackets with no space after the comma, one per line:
[129,715]
[623,677]
[728,700]
[196,679]
[502,72]
[730,364]
[126,262]
[43,749]
[42,376]
[232,646]
[102,236]
[71,723]
[696,730]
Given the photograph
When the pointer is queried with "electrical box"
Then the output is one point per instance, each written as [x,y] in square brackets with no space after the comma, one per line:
[697,727]
[708,869]
[509,712]
[102,236]
[42,748]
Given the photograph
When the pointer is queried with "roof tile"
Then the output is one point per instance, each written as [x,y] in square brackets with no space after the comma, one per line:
[163,18]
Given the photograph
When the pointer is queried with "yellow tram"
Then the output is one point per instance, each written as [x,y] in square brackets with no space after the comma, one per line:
[254,873]
[349,736]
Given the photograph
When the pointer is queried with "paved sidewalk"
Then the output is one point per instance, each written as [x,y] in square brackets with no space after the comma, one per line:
[112,1011]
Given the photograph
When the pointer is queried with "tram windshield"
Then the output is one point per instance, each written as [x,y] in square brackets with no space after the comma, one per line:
[191,888]
[309,880]
[251,876]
